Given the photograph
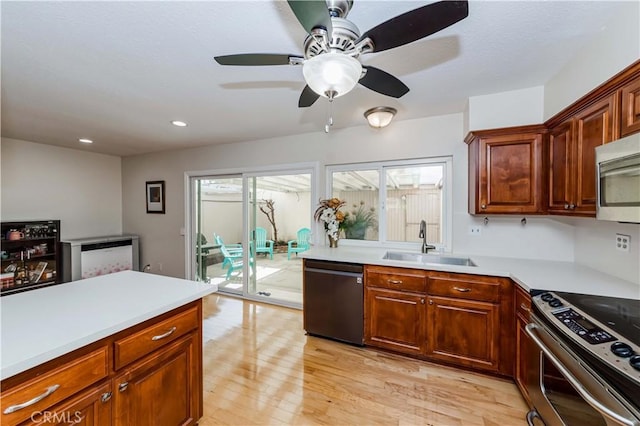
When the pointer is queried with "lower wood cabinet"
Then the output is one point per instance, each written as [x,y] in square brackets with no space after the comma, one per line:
[396,320]
[460,319]
[158,390]
[527,353]
[464,332]
[149,374]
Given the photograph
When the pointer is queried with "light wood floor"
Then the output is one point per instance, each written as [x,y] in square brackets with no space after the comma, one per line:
[261,369]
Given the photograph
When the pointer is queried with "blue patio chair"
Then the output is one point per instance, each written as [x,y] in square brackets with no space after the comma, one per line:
[302,243]
[232,253]
[262,244]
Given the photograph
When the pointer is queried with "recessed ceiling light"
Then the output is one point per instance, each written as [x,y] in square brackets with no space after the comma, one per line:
[85,140]
[179,123]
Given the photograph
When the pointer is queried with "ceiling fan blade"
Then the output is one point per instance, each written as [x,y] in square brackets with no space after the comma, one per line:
[307,97]
[251,59]
[416,24]
[383,82]
[312,14]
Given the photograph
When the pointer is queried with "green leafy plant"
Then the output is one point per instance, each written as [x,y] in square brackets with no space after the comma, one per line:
[358,220]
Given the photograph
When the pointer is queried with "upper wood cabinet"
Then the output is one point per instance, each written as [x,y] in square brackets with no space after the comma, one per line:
[630,110]
[551,168]
[572,161]
[506,171]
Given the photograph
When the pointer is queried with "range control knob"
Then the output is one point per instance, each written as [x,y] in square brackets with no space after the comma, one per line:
[555,303]
[622,350]
[546,296]
[635,362]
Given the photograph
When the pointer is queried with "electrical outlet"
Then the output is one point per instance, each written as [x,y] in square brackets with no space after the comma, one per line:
[475,230]
[622,242]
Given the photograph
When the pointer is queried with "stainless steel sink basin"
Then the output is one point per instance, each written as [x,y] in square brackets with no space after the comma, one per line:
[424,258]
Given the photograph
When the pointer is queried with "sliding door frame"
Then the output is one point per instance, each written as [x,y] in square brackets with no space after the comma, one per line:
[190,212]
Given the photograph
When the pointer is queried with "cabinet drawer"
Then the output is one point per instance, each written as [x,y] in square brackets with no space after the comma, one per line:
[53,386]
[396,279]
[147,340]
[464,286]
[523,303]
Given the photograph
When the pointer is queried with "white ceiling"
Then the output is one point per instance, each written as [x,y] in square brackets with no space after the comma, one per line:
[119,72]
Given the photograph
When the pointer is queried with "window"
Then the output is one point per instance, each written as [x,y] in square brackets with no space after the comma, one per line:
[386,201]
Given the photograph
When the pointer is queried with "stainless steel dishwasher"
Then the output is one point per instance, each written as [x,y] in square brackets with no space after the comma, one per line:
[332,300]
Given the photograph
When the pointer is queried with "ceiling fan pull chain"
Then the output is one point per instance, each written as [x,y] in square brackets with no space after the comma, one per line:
[327,126]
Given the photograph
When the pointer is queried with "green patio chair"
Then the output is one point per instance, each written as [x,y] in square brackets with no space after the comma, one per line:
[262,244]
[302,243]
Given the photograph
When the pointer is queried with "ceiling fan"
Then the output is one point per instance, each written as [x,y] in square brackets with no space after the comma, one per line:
[332,48]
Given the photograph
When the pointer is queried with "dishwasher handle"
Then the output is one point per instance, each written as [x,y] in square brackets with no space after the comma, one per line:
[357,276]
[325,266]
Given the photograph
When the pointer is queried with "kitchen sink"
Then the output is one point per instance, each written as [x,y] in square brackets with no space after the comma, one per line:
[427,258]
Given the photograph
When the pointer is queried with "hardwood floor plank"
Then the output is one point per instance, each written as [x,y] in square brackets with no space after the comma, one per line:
[261,369]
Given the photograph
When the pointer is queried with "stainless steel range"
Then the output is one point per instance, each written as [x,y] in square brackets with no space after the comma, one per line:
[589,365]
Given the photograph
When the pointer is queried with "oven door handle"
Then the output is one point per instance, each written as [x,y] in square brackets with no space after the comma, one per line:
[605,411]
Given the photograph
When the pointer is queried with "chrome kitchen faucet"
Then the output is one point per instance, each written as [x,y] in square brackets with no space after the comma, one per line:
[423,234]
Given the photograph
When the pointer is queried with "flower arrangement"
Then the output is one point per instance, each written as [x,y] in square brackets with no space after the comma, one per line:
[358,220]
[329,212]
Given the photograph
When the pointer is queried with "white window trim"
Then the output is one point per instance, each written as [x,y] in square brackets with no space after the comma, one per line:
[447,200]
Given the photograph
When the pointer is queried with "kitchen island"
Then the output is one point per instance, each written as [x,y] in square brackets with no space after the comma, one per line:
[93,347]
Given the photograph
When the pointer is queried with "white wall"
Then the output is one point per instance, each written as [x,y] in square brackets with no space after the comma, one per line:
[615,47]
[81,189]
[506,109]
[426,137]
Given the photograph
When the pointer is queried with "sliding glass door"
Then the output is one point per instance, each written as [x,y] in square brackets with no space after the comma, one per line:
[245,231]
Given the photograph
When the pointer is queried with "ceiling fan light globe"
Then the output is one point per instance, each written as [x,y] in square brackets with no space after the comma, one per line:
[332,72]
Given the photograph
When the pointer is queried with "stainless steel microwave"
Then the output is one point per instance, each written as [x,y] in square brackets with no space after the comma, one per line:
[618,180]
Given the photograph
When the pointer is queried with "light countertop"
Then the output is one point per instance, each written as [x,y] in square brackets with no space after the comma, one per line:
[40,325]
[529,274]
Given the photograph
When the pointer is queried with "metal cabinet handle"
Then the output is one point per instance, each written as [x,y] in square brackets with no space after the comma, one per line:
[167,334]
[530,329]
[395,282]
[566,206]
[572,206]
[105,396]
[422,301]
[123,386]
[484,206]
[462,289]
[430,302]
[14,408]
[525,308]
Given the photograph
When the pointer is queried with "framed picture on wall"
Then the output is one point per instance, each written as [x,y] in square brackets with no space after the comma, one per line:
[155,196]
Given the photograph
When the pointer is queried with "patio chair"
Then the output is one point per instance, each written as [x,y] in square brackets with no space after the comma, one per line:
[232,253]
[262,244]
[302,243]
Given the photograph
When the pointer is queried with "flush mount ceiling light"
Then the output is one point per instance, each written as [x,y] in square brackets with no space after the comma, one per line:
[332,74]
[179,123]
[85,140]
[380,116]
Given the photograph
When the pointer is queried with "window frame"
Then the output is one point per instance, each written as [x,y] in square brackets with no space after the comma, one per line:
[381,166]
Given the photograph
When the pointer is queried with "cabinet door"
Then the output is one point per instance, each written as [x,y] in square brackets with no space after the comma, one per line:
[464,332]
[89,408]
[594,126]
[527,353]
[510,172]
[395,320]
[630,108]
[162,389]
[560,167]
